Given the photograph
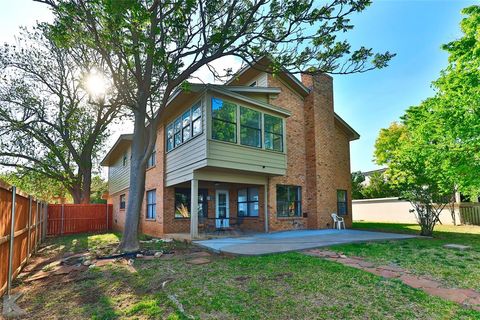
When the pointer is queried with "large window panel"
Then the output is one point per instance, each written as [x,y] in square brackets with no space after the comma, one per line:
[273,133]
[183,204]
[250,127]
[224,120]
[342,208]
[186,129]
[196,119]
[248,202]
[178,132]
[289,201]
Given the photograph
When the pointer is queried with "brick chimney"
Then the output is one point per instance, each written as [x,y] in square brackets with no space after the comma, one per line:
[320,149]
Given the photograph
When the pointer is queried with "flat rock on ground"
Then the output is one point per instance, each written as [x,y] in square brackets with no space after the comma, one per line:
[456,246]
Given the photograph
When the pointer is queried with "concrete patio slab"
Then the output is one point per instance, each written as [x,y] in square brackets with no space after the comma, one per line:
[265,243]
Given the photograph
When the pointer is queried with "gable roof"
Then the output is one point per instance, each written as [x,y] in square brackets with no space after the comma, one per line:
[123,140]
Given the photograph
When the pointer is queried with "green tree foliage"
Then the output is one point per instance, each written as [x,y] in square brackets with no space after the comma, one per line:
[435,149]
[99,188]
[49,125]
[357,179]
[378,187]
[37,185]
[152,47]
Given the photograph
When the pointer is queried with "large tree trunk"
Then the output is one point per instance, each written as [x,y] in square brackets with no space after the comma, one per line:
[87,183]
[136,192]
[76,194]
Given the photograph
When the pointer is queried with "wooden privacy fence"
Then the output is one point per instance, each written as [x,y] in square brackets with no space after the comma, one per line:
[470,213]
[78,218]
[22,228]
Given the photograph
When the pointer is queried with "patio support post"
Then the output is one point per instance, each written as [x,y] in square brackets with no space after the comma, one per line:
[265,206]
[194,210]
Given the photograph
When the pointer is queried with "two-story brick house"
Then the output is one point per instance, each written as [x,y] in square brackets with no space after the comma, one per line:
[261,153]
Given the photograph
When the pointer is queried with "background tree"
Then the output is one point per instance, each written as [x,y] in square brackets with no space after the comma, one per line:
[435,151]
[357,179]
[378,186]
[152,47]
[49,124]
[37,185]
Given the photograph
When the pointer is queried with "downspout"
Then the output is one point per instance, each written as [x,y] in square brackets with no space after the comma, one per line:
[265,203]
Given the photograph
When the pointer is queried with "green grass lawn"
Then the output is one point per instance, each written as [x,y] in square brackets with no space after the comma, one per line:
[279,286]
[425,256]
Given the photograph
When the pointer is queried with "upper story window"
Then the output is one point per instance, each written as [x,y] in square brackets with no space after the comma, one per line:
[125,159]
[224,126]
[273,133]
[250,127]
[224,120]
[152,160]
[185,127]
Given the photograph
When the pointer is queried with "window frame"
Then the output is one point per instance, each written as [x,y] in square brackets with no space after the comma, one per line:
[124,202]
[178,130]
[125,159]
[259,130]
[281,135]
[342,202]
[248,202]
[151,205]
[152,160]
[213,119]
[188,193]
[297,202]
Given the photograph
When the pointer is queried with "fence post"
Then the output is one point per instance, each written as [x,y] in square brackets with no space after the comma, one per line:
[45,217]
[63,218]
[29,226]
[12,239]
[106,209]
[36,228]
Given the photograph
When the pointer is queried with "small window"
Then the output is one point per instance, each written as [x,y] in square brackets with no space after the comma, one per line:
[122,202]
[342,208]
[253,84]
[125,159]
[289,201]
[170,137]
[248,202]
[186,129]
[273,133]
[151,204]
[152,160]
[196,119]
[250,127]
[224,120]
[183,204]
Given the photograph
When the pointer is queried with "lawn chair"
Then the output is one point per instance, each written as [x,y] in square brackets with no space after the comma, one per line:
[338,222]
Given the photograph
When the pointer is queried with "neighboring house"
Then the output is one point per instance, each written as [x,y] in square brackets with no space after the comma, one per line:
[368,175]
[263,153]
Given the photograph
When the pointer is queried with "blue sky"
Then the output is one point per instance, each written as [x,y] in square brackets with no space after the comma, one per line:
[413,29]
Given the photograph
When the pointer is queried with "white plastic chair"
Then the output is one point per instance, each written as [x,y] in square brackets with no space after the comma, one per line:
[338,222]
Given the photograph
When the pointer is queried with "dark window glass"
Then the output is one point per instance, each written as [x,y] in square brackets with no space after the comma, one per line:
[122,201]
[289,201]
[186,129]
[183,205]
[151,204]
[248,202]
[250,127]
[152,160]
[224,120]
[342,207]
[273,133]
[170,137]
[124,159]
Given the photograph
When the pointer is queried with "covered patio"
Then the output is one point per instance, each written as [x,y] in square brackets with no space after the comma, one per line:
[265,243]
